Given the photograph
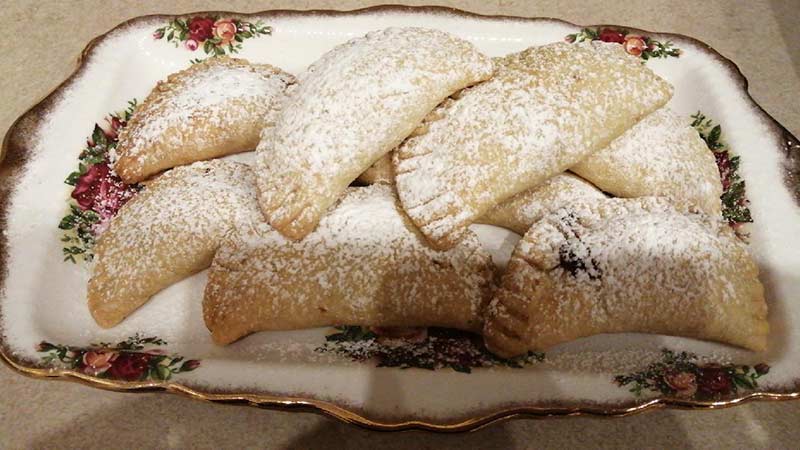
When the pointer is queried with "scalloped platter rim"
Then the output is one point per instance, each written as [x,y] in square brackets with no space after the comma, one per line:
[47,331]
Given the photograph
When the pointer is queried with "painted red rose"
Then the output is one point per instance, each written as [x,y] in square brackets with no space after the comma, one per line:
[714,381]
[225,29]
[724,165]
[130,366]
[96,362]
[634,44]
[200,28]
[611,35]
[101,191]
[88,185]
[684,383]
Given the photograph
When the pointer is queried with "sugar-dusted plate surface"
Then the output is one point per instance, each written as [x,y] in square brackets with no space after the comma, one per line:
[47,330]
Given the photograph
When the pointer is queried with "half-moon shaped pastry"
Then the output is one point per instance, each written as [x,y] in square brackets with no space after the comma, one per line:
[627,265]
[544,110]
[380,172]
[216,107]
[167,232]
[520,211]
[352,106]
[660,156]
[365,264]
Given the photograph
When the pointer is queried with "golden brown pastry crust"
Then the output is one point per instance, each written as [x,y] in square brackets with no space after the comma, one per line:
[380,172]
[524,209]
[167,232]
[660,156]
[364,265]
[544,110]
[627,265]
[213,108]
[351,107]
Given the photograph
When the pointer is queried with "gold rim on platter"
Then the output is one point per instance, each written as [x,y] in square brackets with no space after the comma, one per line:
[14,155]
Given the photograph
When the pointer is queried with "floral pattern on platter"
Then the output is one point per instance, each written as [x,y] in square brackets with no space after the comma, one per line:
[637,45]
[217,36]
[98,192]
[679,375]
[422,348]
[734,198]
[127,360]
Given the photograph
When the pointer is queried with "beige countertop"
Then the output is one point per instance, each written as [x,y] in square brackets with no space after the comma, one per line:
[40,45]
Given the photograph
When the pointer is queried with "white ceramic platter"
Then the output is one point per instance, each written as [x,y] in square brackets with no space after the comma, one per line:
[43,296]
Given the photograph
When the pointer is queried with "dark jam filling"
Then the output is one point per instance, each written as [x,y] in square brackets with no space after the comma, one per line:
[570,262]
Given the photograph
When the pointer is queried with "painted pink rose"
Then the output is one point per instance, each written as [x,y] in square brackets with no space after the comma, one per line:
[191,44]
[158,34]
[111,127]
[634,44]
[200,28]
[225,29]
[611,35]
[96,362]
[101,226]
[415,335]
[684,383]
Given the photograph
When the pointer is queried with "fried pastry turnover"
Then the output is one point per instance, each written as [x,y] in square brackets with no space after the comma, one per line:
[520,211]
[352,106]
[365,264]
[544,110]
[627,265]
[660,156]
[214,108]
[167,232]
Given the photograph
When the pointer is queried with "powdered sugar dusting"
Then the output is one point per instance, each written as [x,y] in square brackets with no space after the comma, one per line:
[202,107]
[544,110]
[55,310]
[520,211]
[352,106]
[169,231]
[661,155]
[364,265]
[634,266]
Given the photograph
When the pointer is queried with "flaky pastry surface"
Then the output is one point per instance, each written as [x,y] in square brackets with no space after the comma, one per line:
[213,108]
[627,265]
[352,106]
[660,156]
[521,211]
[365,264]
[545,109]
[167,232]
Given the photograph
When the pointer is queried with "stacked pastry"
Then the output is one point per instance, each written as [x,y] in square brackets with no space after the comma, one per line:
[443,137]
